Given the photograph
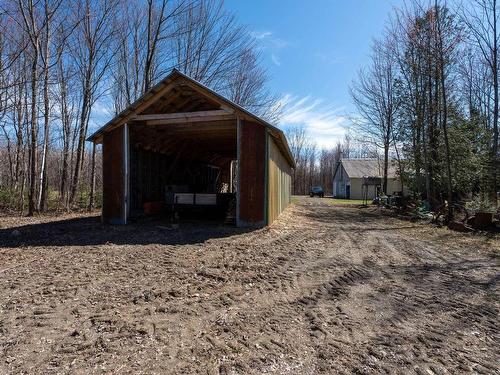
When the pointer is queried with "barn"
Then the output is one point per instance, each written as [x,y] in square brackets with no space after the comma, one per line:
[182,146]
[349,173]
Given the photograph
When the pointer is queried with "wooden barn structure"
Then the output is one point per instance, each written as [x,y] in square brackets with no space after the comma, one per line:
[182,143]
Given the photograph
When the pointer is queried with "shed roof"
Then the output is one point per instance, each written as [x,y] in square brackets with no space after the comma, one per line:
[358,168]
[159,90]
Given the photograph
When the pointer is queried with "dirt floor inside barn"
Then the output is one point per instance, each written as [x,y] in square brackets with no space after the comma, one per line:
[325,289]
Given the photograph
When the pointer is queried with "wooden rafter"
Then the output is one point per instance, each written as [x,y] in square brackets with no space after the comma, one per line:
[182,103]
[180,92]
[166,101]
[184,117]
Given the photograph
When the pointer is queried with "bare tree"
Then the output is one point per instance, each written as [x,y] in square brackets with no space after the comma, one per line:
[297,139]
[375,98]
[93,57]
[33,26]
[313,166]
[247,86]
[67,103]
[50,13]
[481,19]
[209,43]
[446,42]
[144,56]
[55,60]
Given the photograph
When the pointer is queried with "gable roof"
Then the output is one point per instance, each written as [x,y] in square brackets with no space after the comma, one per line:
[359,168]
[157,91]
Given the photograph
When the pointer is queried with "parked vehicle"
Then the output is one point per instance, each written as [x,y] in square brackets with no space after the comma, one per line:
[316,191]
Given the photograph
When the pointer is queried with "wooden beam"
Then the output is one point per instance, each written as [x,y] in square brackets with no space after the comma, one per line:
[183,104]
[192,128]
[229,123]
[189,120]
[140,105]
[166,101]
[227,109]
[185,116]
[197,88]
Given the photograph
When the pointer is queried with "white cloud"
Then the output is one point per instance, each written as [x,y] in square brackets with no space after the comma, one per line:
[103,108]
[275,59]
[269,39]
[328,58]
[260,34]
[268,42]
[325,124]
[279,43]
[102,112]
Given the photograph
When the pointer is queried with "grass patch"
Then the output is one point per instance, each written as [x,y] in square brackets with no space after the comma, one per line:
[332,201]
[335,201]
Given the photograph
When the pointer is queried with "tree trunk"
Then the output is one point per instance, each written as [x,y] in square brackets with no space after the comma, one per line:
[80,149]
[494,149]
[34,134]
[64,176]
[430,141]
[386,167]
[444,119]
[42,199]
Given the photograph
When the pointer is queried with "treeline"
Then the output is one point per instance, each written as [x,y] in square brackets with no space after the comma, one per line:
[314,165]
[63,63]
[431,97]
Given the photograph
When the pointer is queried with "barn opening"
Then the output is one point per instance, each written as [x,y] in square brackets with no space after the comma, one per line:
[184,151]
[183,169]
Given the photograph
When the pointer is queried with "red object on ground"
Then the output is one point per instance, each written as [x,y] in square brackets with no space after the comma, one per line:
[151,208]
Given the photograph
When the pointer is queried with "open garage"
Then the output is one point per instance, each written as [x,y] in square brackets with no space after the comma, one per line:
[182,149]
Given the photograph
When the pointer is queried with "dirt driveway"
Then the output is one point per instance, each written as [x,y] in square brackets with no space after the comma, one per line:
[324,290]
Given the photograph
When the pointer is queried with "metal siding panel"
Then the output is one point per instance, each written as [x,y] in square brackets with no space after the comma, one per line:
[279,182]
[251,168]
[113,180]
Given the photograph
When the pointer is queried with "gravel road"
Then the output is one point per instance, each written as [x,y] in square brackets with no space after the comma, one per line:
[325,289]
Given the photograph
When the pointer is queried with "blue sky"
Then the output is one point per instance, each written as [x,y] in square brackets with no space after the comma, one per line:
[312,51]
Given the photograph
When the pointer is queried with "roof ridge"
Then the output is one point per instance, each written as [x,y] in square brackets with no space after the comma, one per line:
[275,131]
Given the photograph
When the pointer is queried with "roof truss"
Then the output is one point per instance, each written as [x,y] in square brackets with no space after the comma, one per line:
[185,117]
[171,90]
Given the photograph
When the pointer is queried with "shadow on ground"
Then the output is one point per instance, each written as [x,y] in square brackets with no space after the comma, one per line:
[89,230]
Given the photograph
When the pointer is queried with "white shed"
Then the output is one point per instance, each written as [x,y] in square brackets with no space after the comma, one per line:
[349,173]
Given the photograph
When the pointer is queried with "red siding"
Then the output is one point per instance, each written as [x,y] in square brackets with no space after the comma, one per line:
[252,170]
[113,177]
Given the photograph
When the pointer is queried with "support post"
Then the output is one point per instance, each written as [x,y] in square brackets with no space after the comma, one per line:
[231,176]
[266,181]
[92,179]
[126,187]
[238,170]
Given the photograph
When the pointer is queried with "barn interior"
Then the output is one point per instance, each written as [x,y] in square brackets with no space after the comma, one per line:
[182,154]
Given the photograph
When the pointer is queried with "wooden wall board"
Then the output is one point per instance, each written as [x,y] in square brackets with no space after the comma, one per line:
[251,168]
[278,182]
[113,179]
